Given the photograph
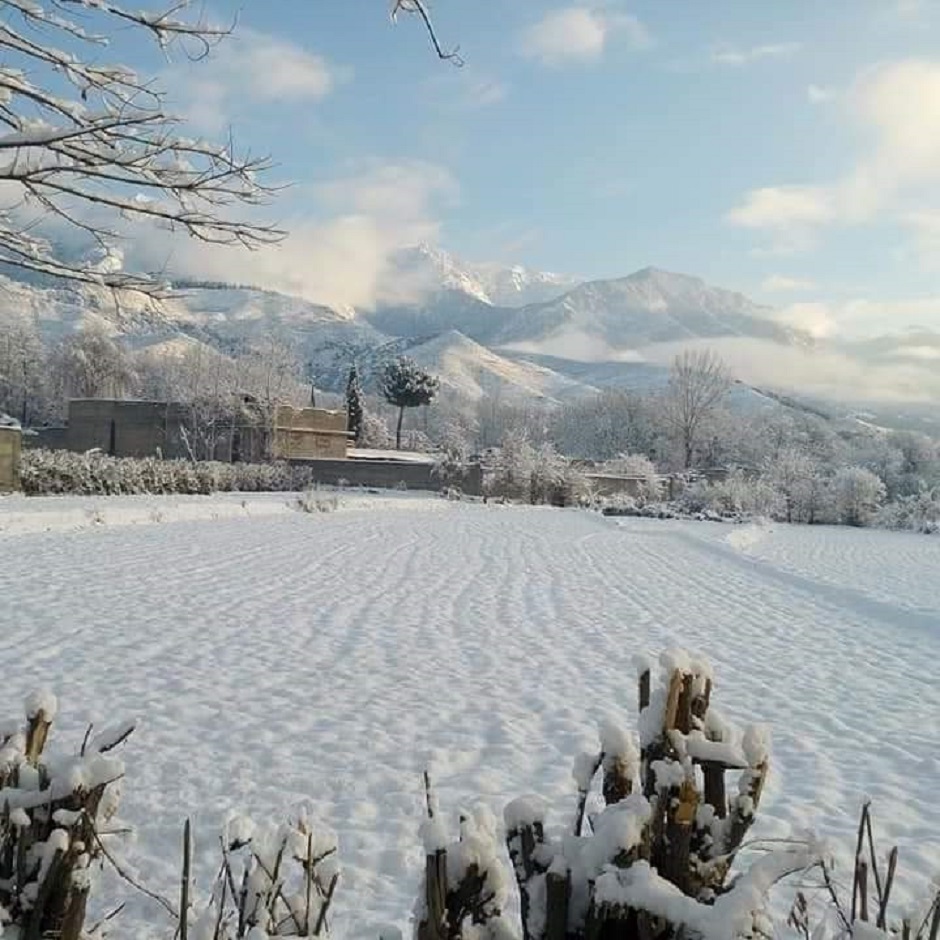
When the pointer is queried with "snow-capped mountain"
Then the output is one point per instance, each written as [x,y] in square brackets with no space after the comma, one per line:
[618,333]
[434,270]
[651,306]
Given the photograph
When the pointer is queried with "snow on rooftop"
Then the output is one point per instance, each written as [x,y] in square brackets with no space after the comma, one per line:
[408,456]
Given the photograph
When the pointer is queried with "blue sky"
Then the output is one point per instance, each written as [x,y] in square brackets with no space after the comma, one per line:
[788,149]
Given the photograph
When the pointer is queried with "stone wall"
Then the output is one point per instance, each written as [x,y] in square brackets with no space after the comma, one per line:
[10,444]
[386,474]
[309,434]
[119,428]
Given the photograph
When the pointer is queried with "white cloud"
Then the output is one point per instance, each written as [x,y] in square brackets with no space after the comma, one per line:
[821,371]
[780,283]
[249,68]
[820,94]
[730,55]
[790,213]
[783,207]
[339,255]
[579,34]
[817,319]
[898,105]
[862,317]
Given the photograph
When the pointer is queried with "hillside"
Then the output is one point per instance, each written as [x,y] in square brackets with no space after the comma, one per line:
[473,371]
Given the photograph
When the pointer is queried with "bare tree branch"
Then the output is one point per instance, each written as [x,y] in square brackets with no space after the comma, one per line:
[419,8]
[89,144]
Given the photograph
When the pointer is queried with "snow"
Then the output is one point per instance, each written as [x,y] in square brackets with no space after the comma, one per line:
[42,703]
[281,659]
[21,515]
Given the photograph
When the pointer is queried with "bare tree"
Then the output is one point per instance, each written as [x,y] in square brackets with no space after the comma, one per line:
[697,386]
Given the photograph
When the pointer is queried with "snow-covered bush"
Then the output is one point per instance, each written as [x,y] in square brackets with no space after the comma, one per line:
[857,494]
[374,432]
[313,501]
[829,913]
[52,814]
[647,855]
[918,513]
[274,881]
[740,494]
[535,475]
[452,459]
[466,885]
[58,472]
[640,467]
[799,480]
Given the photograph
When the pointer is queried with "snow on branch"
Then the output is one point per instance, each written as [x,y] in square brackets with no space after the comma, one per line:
[89,143]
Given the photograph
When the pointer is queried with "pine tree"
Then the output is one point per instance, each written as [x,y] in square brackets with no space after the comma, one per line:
[354,410]
[406,385]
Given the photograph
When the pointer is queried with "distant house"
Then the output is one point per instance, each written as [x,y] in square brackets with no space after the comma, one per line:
[309,434]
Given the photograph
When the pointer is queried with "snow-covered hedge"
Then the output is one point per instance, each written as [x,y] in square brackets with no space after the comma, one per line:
[919,513]
[47,472]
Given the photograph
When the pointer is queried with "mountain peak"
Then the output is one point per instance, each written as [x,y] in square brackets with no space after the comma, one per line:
[663,277]
[490,282]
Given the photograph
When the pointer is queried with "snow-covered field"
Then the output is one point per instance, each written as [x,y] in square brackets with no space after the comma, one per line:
[276,657]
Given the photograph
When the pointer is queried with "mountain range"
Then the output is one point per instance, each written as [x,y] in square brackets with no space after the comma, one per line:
[525,335]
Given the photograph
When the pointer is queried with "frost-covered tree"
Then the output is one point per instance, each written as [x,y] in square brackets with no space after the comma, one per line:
[23,368]
[797,477]
[878,454]
[354,409]
[603,426]
[512,470]
[698,384]
[90,364]
[453,456]
[406,385]
[857,495]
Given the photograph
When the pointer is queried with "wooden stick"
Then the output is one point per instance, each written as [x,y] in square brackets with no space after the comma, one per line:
[325,907]
[889,883]
[644,689]
[184,882]
[858,852]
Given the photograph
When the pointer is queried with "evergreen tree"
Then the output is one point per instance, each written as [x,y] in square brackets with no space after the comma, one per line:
[406,385]
[354,409]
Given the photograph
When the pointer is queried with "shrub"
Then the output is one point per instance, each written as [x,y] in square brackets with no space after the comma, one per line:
[45,472]
[51,836]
